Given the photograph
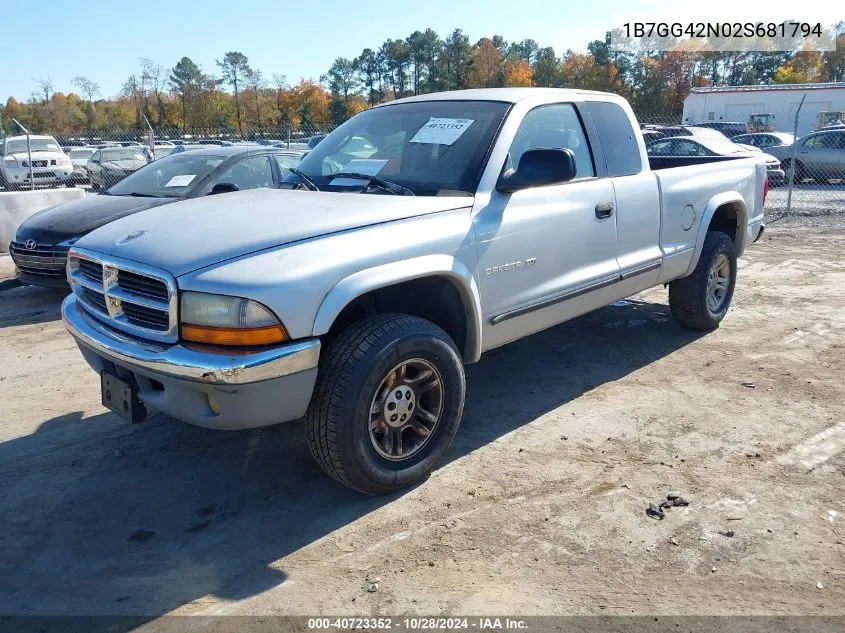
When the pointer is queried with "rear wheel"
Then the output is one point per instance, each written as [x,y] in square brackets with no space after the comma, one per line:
[388,401]
[799,171]
[701,300]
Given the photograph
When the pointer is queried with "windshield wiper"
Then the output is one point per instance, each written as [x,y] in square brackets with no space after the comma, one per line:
[392,187]
[137,194]
[309,184]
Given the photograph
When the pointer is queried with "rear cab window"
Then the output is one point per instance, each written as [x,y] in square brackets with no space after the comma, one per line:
[618,139]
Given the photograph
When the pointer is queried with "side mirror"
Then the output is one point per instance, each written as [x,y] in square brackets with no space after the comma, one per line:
[224,187]
[537,168]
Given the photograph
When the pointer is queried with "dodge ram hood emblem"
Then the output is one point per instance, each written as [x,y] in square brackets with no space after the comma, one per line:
[134,235]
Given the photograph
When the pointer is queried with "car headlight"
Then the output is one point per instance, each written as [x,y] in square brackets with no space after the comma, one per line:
[224,320]
[10,161]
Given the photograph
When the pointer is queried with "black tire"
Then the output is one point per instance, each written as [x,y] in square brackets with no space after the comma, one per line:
[799,172]
[688,296]
[337,423]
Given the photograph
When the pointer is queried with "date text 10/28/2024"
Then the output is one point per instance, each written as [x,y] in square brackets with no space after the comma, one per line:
[418,624]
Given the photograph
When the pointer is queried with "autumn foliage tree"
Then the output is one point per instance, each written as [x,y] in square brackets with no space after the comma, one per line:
[239,98]
[806,66]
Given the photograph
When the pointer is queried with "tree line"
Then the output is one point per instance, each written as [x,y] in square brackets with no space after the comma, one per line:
[241,99]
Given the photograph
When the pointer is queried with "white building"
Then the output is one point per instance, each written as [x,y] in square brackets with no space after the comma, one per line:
[736,103]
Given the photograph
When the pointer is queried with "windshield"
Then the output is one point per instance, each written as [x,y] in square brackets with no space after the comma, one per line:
[722,146]
[169,177]
[128,153]
[18,146]
[760,119]
[81,154]
[426,146]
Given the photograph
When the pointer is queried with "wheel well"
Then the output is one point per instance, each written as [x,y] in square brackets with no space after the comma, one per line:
[435,299]
[725,220]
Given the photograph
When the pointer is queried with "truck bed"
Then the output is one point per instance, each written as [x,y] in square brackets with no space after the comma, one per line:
[667,162]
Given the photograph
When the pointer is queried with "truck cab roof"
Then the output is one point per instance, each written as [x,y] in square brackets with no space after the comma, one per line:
[506,95]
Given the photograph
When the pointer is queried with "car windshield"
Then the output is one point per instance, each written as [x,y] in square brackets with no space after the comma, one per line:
[81,154]
[169,177]
[426,146]
[18,146]
[123,153]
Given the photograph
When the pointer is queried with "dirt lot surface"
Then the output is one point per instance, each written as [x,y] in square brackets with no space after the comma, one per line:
[539,509]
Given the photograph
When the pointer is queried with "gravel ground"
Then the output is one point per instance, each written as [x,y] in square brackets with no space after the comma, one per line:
[539,508]
[814,208]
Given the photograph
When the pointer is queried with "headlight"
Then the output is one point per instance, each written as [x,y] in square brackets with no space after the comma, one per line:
[224,320]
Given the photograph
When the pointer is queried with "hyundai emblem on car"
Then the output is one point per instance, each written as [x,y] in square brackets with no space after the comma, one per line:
[30,244]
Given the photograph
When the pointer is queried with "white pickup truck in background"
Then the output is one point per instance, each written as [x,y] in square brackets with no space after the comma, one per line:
[412,239]
[50,165]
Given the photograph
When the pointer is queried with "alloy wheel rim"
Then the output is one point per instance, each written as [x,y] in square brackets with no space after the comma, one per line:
[718,282]
[406,409]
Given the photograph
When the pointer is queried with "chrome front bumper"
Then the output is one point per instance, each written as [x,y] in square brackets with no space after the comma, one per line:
[202,385]
[178,361]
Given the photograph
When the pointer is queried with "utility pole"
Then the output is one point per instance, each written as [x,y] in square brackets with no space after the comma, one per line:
[29,154]
[792,161]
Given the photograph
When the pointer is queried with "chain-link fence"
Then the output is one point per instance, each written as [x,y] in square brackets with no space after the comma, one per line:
[41,159]
[815,186]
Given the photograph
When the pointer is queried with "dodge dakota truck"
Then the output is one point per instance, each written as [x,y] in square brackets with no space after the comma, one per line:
[415,237]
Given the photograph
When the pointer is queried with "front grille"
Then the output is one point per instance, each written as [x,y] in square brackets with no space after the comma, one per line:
[134,298]
[146,317]
[141,285]
[39,163]
[95,299]
[44,174]
[47,262]
[92,271]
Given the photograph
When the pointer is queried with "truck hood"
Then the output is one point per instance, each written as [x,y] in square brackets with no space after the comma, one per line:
[196,233]
[38,155]
[72,219]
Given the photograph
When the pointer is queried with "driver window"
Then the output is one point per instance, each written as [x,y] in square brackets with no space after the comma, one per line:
[251,173]
[553,126]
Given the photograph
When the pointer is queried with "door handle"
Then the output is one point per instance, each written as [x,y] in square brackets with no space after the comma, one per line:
[604,210]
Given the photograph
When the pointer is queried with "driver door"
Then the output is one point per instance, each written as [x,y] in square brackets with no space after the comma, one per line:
[542,251]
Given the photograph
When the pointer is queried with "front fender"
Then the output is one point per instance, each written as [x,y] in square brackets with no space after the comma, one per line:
[733,198]
[362,282]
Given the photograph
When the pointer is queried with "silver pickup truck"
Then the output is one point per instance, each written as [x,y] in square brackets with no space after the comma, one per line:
[415,237]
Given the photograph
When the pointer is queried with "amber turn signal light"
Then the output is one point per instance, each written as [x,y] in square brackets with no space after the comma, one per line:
[243,337]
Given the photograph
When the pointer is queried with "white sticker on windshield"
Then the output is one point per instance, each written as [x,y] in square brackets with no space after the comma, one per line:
[181,181]
[442,131]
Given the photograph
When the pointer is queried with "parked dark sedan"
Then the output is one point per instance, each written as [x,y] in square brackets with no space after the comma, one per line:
[110,165]
[42,241]
[713,144]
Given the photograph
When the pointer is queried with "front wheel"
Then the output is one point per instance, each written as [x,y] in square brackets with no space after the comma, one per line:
[700,301]
[388,401]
